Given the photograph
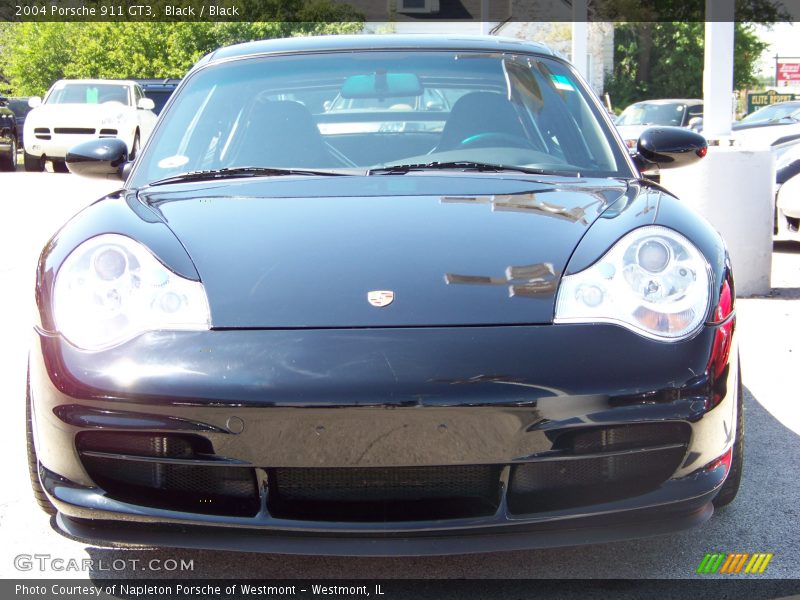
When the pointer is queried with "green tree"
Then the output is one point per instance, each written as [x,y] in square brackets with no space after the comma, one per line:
[665,60]
[659,50]
[34,55]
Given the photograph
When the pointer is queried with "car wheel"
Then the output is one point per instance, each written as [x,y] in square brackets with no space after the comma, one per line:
[33,163]
[731,486]
[9,163]
[33,462]
[134,148]
[59,166]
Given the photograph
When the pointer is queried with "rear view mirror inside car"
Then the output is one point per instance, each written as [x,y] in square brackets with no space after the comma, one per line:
[381,85]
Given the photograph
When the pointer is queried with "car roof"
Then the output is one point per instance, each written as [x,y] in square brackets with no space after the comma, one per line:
[100,81]
[378,41]
[167,82]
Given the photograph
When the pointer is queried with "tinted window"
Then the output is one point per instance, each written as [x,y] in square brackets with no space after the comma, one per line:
[159,98]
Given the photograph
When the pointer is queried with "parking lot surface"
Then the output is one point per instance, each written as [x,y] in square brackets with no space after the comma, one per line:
[764,518]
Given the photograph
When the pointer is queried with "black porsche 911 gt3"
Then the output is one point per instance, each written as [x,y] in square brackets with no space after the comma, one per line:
[407,327]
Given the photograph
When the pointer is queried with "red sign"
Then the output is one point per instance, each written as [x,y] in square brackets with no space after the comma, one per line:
[788,72]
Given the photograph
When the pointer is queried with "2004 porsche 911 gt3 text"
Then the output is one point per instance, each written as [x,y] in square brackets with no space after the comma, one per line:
[455,327]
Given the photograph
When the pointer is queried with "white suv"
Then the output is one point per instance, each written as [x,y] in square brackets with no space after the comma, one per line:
[77,110]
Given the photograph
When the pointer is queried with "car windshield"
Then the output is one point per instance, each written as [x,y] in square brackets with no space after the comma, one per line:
[87,93]
[367,109]
[645,113]
[770,114]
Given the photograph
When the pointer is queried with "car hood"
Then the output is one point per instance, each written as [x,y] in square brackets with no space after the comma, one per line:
[291,252]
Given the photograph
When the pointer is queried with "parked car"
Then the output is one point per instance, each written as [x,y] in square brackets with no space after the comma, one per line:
[8,137]
[787,191]
[489,337]
[19,106]
[673,112]
[75,110]
[158,90]
[770,126]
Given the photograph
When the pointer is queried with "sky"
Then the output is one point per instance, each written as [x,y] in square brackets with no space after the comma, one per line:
[784,40]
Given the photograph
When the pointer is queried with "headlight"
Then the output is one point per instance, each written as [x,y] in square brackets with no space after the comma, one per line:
[652,281]
[111,288]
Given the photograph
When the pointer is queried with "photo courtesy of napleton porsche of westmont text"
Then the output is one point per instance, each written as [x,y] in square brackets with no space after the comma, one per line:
[134,590]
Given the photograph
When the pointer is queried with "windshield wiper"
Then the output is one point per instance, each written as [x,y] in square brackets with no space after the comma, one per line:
[466,165]
[212,174]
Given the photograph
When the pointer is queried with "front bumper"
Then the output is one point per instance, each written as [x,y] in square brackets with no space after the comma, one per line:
[495,399]
[58,144]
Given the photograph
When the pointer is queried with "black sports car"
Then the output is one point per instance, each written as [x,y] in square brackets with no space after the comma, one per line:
[388,330]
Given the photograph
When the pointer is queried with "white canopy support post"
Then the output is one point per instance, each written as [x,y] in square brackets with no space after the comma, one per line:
[718,69]
[580,37]
[733,186]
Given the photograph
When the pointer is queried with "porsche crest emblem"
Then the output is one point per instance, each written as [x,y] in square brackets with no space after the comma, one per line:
[380,297]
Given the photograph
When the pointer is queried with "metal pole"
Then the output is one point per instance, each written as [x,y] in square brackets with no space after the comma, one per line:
[484,17]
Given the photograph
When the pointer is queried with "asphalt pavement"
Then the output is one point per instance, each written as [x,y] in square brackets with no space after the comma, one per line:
[764,518]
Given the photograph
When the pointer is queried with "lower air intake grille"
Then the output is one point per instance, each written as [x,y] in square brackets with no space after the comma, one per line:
[147,469]
[143,444]
[622,437]
[74,130]
[598,465]
[395,493]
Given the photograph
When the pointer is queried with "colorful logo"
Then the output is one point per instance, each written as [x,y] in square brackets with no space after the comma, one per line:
[735,563]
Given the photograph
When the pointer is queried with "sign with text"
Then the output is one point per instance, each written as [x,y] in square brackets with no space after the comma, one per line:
[787,72]
[756,100]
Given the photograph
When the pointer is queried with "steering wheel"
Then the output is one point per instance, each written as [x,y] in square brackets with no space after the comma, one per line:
[494,138]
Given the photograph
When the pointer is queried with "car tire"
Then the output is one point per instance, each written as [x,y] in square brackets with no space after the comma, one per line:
[33,462]
[59,166]
[731,486]
[134,147]
[9,163]
[33,164]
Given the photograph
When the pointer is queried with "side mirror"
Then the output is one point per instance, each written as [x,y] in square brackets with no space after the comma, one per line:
[34,101]
[146,104]
[668,148]
[104,158]
[696,124]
